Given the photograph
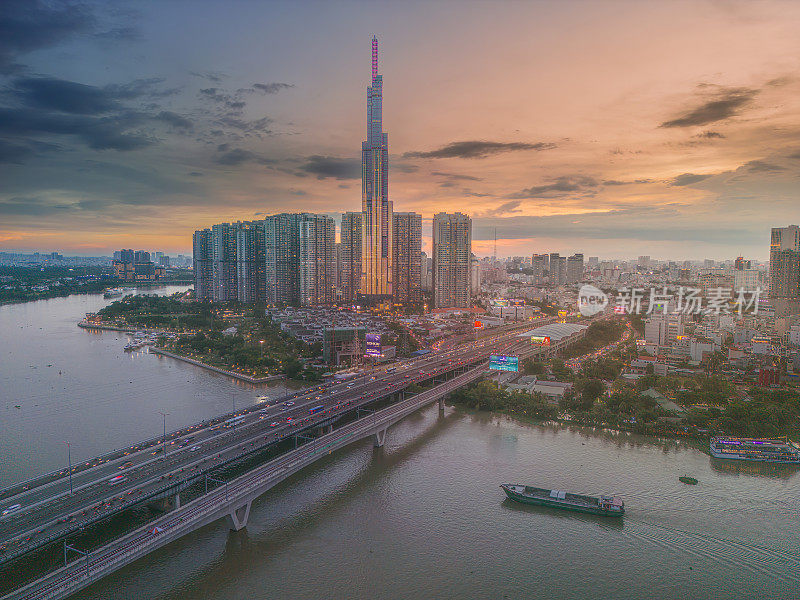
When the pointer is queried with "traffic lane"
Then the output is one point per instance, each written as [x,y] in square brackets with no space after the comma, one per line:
[376,389]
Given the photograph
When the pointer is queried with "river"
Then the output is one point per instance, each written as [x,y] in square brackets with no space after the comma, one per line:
[422,517]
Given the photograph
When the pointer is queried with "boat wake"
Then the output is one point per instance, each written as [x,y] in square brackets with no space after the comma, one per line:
[773,562]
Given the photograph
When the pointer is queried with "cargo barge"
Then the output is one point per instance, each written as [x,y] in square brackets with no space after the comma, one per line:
[755,449]
[610,506]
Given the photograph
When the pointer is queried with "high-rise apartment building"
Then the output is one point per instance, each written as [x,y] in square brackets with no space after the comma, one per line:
[406,261]
[574,268]
[317,237]
[250,262]
[540,263]
[376,282]
[224,262]
[784,270]
[426,274]
[558,269]
[281,257]
[452,249]
[203,265]
[351,240]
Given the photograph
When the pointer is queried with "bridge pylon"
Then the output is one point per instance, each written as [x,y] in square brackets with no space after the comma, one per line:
[237,518]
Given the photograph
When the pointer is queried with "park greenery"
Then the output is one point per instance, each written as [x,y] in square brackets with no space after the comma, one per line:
[708,402]
[230,337]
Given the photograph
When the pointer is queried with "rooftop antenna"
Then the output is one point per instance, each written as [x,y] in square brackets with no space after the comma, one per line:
[494,258]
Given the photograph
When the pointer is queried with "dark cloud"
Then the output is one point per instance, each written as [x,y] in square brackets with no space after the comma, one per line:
[196,174]
[760,166]
[212,76]
[323,167]
[401,167]
[238,156]
[455,176]
[559,187]
[174,120]
[724,104]
[28,25]
[231,104]
[795,155]
[98,133]
[64,96]
[617,182]
[21,206]
[477,149]
[272,88]
[18,151]
[258,126]
[505,208]
[447,184]
[688,179]
[709,135]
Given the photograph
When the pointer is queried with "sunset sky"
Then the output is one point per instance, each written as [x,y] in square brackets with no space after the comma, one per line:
[615,129]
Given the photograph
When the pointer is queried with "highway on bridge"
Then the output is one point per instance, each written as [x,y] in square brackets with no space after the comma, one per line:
[153,469]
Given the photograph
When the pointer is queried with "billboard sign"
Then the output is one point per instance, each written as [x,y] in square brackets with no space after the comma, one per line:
[478,324]
[374,344]
[540,340]
[501,362]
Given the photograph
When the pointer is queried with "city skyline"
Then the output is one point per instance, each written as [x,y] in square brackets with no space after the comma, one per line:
[117,131]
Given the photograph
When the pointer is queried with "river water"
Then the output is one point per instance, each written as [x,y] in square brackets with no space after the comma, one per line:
[423,517]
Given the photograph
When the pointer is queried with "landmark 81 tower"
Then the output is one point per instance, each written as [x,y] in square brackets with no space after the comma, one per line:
[376,278]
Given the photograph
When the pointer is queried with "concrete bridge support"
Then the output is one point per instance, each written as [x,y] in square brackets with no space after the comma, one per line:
[380,438]
[238,516]
[441,406]
[166,504]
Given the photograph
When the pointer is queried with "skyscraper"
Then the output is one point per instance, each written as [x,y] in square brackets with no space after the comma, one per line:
[784,270]
[452,249]
[203,259]
[426,272]
[376,280]
[406,261]
[574,268]
[224,265]
[250,262]
[350,276]
[317,259]
[558,269]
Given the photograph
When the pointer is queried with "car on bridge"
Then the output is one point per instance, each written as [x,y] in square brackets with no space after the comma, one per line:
[10,510]
[117,479]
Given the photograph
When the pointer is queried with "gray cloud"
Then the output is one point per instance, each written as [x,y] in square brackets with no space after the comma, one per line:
[120,34]
[507,207]
[477,149]
[617,182]
[212,76]
[456,176]
[236,157]
[174,120]
[725,104]
[272,88]
[559,187]
[760,166]
[709,135]
[688,179]
[28,25]
[98,133]
[17,152]
[330,166]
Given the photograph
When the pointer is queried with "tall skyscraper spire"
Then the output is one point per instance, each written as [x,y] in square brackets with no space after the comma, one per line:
[374,59]
[376,209]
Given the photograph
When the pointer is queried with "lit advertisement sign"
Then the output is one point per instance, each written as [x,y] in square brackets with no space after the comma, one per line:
[501,362]
[516,302]
[563,313]
[374,344]
[540,340]
[478,325]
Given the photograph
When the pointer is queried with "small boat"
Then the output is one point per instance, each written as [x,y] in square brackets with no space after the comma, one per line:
[688,480]
[611,506]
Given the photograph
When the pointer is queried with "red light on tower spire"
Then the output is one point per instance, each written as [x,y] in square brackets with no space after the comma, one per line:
[374,58]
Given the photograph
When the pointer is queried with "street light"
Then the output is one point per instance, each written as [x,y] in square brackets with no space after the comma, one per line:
[262,347]
[69,461]
[164,437]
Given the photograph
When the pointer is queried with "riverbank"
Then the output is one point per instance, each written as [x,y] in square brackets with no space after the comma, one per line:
[233,374]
